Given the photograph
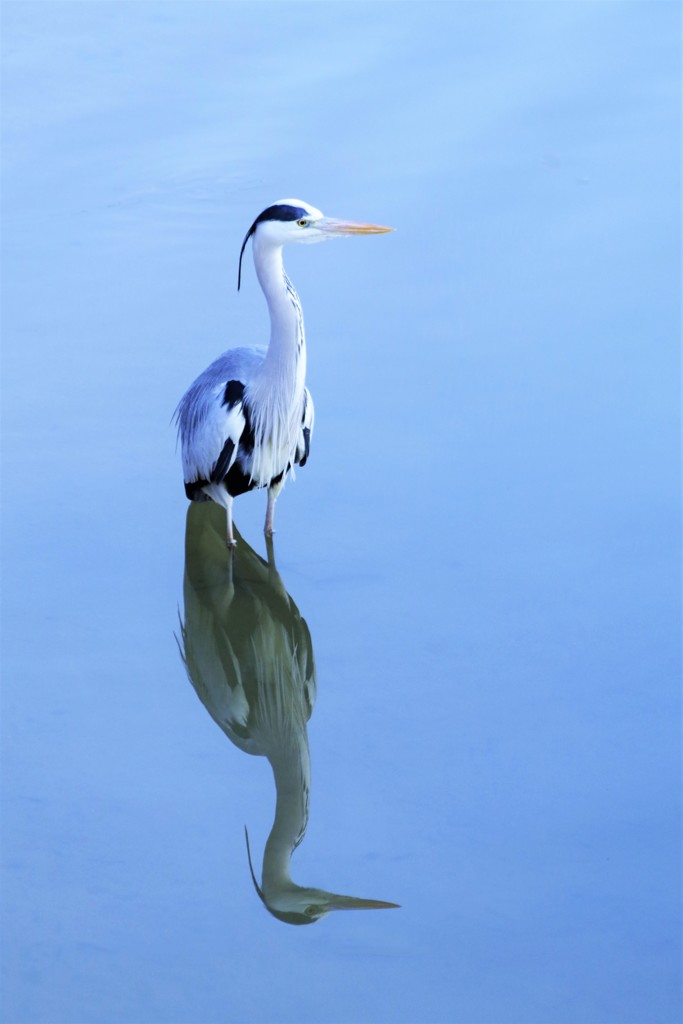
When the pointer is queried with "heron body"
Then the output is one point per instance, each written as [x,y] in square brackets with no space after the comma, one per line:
[247,420]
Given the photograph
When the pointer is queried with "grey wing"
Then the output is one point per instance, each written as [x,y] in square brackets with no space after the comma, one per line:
[210,415]
[303,447]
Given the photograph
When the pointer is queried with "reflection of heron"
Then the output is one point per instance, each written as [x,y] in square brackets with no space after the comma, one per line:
[249,656]
[248,417]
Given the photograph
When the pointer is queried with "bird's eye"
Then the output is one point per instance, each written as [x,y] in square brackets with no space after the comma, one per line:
[310,911]
[302,223]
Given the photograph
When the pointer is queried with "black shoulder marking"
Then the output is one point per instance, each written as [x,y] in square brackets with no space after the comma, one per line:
[234,392]
[307,446]
[247,439]
[219,471]
[232,396]
[238,482]
[194,492]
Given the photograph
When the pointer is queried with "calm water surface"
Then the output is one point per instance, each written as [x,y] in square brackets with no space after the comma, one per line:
[476,572]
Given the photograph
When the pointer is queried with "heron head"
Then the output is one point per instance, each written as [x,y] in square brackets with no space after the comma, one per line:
[300,905]
[297,904]
[293,220]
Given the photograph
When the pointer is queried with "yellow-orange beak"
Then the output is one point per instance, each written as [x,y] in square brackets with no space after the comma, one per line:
[332,226]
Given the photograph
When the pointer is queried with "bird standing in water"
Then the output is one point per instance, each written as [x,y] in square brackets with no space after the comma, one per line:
[248,418]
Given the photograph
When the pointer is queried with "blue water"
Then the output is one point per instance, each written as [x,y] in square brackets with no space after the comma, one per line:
[484,545]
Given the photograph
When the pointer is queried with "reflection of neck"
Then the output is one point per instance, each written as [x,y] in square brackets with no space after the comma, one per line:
[292,770]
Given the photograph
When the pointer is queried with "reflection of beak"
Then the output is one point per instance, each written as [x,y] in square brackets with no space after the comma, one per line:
[351,903]
[331,226]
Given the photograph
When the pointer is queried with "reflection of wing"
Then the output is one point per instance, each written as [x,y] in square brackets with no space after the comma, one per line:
[227,702]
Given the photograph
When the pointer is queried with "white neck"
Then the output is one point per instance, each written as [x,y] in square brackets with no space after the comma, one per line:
[276,392]
[286,317]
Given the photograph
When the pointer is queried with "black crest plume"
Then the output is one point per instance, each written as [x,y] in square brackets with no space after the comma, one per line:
[281,211]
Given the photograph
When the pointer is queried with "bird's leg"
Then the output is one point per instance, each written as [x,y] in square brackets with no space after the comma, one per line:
[232,543]
[273,492]
[219,494]
[225,594]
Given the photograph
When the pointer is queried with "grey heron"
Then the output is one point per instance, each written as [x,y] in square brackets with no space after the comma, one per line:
[249,656]
[248,418]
